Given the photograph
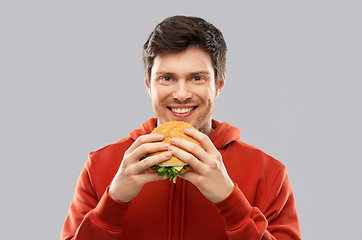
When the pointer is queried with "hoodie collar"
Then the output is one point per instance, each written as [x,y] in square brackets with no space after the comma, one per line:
[222,135]
[146,128]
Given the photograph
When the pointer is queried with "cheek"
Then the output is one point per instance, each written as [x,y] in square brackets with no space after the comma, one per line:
[207,96]
[158,95]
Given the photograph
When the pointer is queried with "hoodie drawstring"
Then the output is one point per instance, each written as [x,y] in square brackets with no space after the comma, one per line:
[183,203]
[183,207]
[170,205]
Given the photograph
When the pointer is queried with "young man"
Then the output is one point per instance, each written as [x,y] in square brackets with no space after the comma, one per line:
[236,191]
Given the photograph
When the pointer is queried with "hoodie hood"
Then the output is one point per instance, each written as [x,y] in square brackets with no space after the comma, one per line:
[222,135]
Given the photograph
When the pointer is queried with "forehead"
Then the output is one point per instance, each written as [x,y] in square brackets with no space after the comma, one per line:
[191,60]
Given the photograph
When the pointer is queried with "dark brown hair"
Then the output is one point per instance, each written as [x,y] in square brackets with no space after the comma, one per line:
[177,33]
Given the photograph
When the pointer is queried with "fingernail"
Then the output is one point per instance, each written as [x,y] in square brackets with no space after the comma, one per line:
[173,140]
[170,148]
[168,154]
[166,145]
[187,130]
[160,136]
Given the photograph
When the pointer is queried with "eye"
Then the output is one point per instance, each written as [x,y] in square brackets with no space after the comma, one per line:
[198,78]
[165,79]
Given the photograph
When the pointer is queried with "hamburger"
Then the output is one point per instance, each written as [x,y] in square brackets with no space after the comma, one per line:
[174,166]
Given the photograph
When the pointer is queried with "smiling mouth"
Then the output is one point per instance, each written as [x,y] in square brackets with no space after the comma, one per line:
[181,110]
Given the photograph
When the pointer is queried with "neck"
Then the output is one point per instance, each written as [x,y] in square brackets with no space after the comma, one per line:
[208,130]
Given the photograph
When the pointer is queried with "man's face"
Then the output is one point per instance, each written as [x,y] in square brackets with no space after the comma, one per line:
[182,87]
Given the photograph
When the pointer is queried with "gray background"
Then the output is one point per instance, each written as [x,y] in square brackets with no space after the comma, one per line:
[72,82]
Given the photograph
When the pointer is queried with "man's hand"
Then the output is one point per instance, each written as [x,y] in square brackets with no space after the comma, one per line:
[210,175]
[133,173]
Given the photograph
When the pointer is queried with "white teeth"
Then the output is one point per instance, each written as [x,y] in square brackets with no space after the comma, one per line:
[181,110]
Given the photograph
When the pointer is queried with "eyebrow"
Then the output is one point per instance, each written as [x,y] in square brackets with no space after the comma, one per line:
[200,73]
[191,74]
[163,73]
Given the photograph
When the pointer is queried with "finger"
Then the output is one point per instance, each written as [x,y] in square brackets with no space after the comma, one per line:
[202,138]
[149,177]
[148,162]
[148,148]
[187,158]
[190,176]
[141,166]
[190,147]
[148,138]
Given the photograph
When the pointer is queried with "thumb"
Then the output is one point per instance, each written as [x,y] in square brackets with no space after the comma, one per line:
[189,176]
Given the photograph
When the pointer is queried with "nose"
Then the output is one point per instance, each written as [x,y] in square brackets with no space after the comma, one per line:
[182,91]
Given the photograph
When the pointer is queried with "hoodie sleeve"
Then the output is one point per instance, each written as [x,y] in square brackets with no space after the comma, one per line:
[276,219]
[90,218]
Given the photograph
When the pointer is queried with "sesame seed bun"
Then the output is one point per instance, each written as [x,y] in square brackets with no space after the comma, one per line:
[170,130]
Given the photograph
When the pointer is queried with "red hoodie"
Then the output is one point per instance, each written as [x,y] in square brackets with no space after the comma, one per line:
[260,207]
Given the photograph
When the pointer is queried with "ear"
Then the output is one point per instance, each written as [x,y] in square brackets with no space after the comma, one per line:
[220,85]
[148,87]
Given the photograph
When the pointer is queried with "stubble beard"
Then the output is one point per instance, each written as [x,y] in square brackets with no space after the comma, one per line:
[202,122]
